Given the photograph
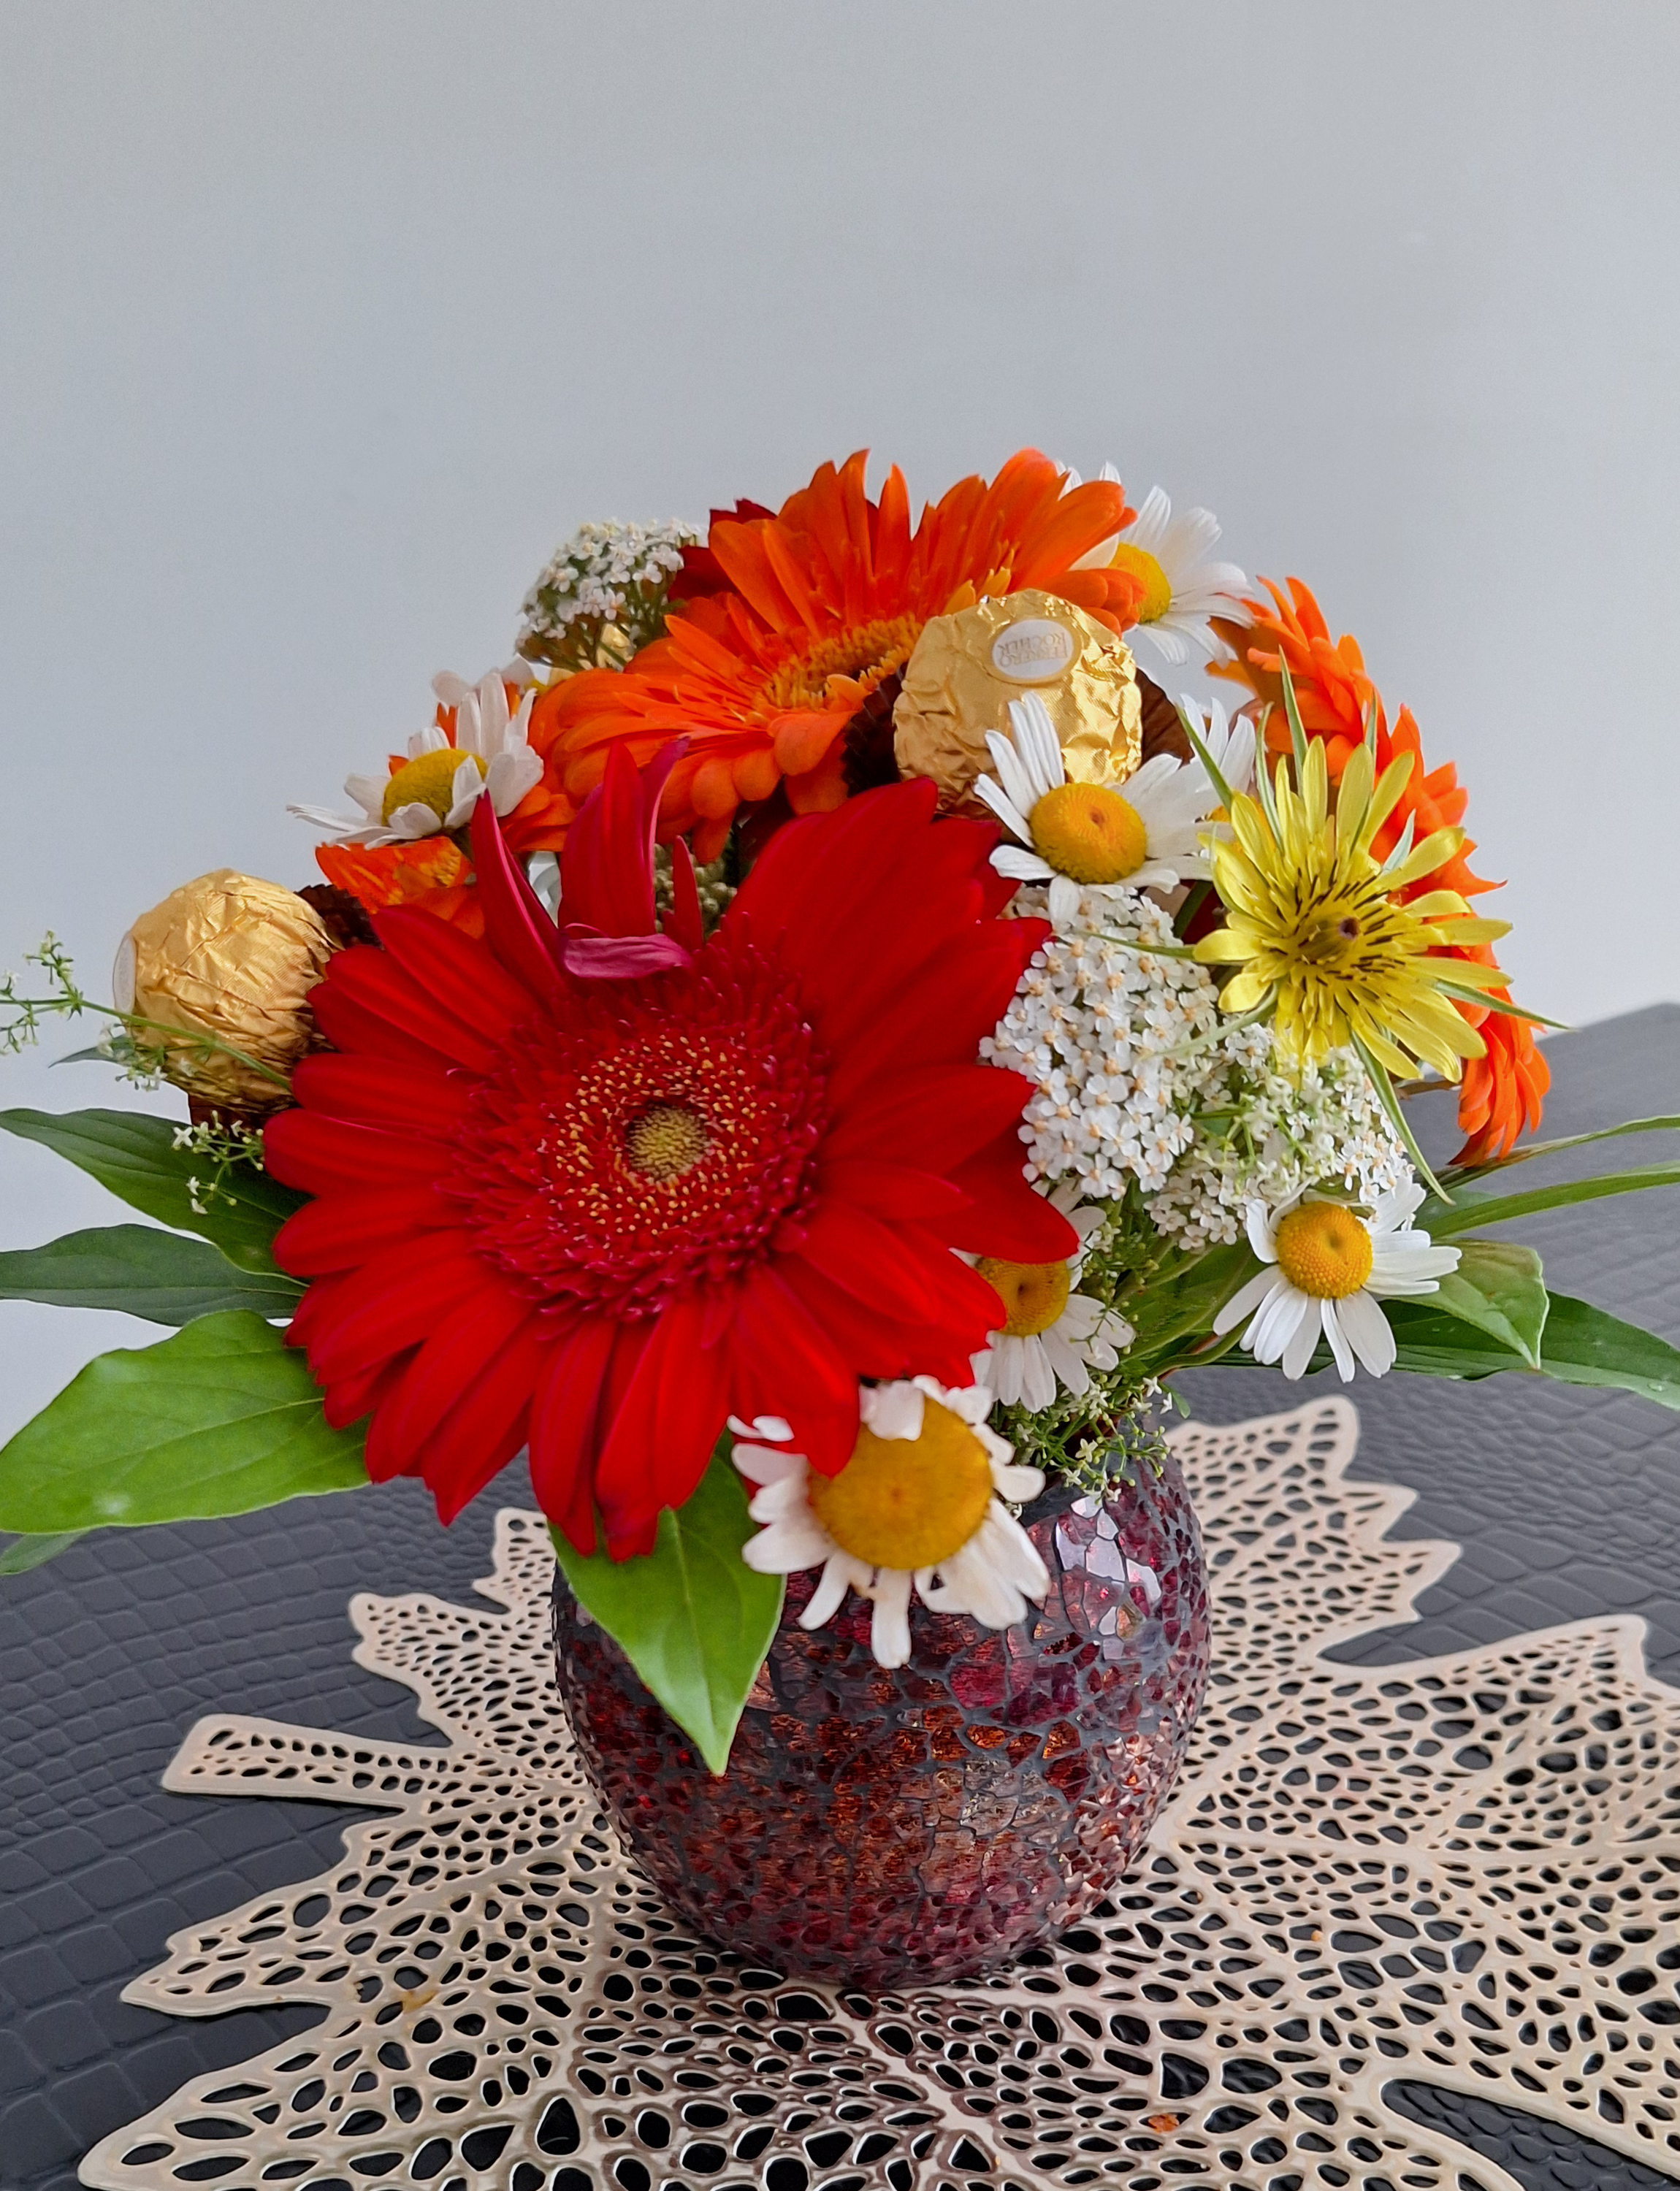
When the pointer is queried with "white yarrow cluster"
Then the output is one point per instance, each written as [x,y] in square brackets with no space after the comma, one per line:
[1278,1137]
[1120,1043]
[601,575]
[1138,1079]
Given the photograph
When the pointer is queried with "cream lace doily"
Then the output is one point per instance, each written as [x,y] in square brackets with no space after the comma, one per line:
[1462,1871]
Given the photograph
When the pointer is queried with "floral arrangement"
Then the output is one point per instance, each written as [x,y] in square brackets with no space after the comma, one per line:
[805,1055]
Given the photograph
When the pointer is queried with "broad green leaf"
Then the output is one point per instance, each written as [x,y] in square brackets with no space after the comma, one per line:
[1181,1304]
[134,1154]
[24,1553]
[1468,1212]
[161,1276]
[221,1419]
[1461,1173]
[1498,1287]
[1584,1345]
[692,1617]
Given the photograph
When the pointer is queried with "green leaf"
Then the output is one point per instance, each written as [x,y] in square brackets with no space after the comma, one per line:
[1377,1073]
[26,1553]
[1498,1287]
[1180,1303]
[221,1419]
[1661,1125]
[161,1276]
[134,1154]
[691,1616]
[1297,728]
[1584,1345]
[1466,1211]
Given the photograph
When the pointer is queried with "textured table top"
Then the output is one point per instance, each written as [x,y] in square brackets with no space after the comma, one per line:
[1567,1504]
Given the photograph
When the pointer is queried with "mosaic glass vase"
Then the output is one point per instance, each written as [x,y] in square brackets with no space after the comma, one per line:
[891,1828]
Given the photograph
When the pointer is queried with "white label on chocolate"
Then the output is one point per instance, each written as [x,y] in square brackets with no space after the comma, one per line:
[1033,651]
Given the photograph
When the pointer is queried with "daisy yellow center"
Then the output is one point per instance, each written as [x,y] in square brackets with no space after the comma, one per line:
[867,653]
[665,1141]
[1157,586]
[908,1502]
[1324,1249]
[427,781]
[1033,1294]
[1089,832]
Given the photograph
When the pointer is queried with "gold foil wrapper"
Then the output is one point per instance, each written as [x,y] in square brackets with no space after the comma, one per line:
[235,959]
[968,667]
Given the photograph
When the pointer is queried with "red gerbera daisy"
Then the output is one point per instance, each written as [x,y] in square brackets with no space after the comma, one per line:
[595,1188]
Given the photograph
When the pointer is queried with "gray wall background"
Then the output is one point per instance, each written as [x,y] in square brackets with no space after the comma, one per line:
[321,323]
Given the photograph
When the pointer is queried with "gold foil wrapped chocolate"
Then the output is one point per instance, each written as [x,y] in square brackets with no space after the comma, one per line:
[232,958]
[969,666]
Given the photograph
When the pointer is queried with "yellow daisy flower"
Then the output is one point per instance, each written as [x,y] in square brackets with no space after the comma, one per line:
[1321,943]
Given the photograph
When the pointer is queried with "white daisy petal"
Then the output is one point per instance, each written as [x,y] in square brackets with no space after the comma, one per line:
[1064,900]
[775,1428]
[1017,1484]
[1244,1301]
[784,1548]
[893,1411]
[829,1594]
[890,1629]
[1280,1322]
[1023,866]
[1338,1346]
[512,775]
[1367,1332]
[1257,1222]
[1304,1339]
[369,794]
[988,789]
[1012,778]
[1039,746]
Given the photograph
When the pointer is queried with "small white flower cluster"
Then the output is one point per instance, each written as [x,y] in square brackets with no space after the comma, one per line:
[1122,1045]
[1137,1077]
[1276,1136]
[605,574]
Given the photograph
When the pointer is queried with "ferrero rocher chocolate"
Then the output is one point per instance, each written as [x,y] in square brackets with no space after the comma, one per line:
[235,959]
[968,667]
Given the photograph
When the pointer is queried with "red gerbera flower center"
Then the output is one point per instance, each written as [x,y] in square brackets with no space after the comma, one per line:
[652,1139]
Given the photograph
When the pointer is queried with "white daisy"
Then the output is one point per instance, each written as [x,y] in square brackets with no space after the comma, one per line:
[443,779]
[1076,836]
[1053,1335]
[1329,1269]
[920,1502]
[1182,589]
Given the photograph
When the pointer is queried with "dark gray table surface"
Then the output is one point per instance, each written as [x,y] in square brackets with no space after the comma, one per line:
[1567,1504]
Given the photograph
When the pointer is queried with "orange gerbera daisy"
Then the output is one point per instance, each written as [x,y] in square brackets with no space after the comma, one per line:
[435,871]
[1501,1090]
[785,673]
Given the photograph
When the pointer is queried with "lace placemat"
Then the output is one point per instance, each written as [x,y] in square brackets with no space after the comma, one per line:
[1461,1871]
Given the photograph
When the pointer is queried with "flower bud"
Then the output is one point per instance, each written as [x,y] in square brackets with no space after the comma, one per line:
[232,959]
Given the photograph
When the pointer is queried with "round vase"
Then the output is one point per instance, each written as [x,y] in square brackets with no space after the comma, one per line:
[887,1828]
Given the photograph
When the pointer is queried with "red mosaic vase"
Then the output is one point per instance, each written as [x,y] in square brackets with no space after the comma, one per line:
[888,1829]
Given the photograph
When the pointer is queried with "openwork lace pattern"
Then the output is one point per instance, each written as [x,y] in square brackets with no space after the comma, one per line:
[1462,1870]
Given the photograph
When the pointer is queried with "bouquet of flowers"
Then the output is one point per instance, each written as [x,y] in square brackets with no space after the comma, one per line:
[803,1055]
